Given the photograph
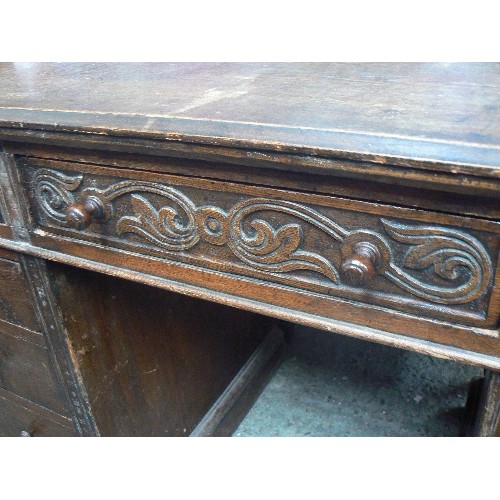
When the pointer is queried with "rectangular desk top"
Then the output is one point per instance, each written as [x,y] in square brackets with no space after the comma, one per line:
[361,199]
[442,117]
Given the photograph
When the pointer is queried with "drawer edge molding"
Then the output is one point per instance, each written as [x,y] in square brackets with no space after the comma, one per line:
[180,224]
[396,339]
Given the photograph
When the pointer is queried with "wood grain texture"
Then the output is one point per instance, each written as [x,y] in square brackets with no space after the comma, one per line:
[15,304]
[488,411]
[362,199]
[280,172]
[21,417]
[441,117]
[294,239]
[5,231]
[26,370]
[429,337]
[56,338]
[22,333]
[152,362]
[223,418]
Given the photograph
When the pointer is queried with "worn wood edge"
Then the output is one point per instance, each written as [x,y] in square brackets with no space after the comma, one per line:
[445,175]
[256,172]
[487,419]
[471,407]
[324,200]
[4,216]
[34,270]
[233,404]
[22,333]
[16,212]
[64,364]
[36,408]
[307,319]
[327,141]
[8,256]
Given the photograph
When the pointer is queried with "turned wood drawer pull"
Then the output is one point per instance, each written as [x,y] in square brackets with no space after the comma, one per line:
[276,239]
[79,215]
[361,266]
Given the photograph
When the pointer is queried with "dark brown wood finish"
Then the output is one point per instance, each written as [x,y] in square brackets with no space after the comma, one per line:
[20,417]
[15,304]
[4,228]
[296,239]
[152,362]
[25,369]
[260,171]
[359,198]
[487,421]
[432,114]
[232,405]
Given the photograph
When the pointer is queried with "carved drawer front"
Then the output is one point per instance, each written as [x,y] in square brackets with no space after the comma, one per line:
[429,264]
[25,369]
[15,304]
[19,417]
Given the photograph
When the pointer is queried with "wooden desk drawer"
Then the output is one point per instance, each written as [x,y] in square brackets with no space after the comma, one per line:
[19,417]
[25,369]
[300,250]
[15,303]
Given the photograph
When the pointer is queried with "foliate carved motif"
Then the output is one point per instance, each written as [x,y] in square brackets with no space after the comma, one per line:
[459,260]
[447,251]
[53,191]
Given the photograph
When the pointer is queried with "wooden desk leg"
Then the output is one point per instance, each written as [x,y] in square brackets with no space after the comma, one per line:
[487,421]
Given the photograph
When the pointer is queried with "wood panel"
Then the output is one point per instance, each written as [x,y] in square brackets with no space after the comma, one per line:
[442,117]
[487,421]
[15,301]
[429,264]
[273,171]
[25,369]
[22,333]
[152,362]
[20,417]
[324,139]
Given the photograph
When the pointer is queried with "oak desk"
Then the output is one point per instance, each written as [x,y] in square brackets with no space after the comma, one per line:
[161,224]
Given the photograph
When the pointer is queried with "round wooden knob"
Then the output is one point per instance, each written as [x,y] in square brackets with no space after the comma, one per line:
[361,266]
[79,215]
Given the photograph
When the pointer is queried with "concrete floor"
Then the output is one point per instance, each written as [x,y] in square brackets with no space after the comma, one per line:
[331,385]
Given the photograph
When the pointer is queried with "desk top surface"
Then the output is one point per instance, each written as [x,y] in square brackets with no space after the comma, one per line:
[441,114]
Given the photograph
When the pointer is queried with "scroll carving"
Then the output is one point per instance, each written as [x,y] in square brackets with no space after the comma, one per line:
[449,252]
[163,227]
[53,191]
[457,267]
[279,250]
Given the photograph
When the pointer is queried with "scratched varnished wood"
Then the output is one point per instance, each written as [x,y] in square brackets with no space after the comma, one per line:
[153,363]
[15,305]
[418,143]
[307,256]
[435,112]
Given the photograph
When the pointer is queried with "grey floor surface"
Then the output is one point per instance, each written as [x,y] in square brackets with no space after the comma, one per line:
[331,385]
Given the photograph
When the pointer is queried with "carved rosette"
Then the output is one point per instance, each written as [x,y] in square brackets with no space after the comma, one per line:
[459,261]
